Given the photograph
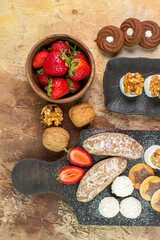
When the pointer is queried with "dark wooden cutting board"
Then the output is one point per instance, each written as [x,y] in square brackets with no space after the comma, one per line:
[32,176]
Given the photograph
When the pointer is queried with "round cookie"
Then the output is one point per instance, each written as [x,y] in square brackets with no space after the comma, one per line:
[139,172]
[155,201]
[151,35]
[110,39]
[130,207]
[149,186]
[133,31]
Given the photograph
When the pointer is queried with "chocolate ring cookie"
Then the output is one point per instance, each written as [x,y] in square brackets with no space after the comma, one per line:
[110,39]
[151,35]
[133,31]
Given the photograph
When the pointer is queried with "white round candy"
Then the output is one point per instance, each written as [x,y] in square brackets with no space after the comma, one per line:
[109,39]
[130,207]
[148,34]
[148,153]
[130,32]
[122,186]
[109,207]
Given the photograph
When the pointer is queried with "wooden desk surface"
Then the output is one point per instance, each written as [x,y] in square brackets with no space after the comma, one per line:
[22,24]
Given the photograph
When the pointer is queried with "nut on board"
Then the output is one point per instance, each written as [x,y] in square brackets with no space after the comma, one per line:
[81,114]
[52,114]
[55,139]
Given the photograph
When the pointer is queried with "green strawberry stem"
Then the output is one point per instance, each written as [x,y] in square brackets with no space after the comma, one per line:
[40,71]
[48,88]
[72,69]
[63,56]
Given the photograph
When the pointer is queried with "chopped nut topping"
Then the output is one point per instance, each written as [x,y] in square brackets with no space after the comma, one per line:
[155,158]
[133,83]
[155,86]
[52,114]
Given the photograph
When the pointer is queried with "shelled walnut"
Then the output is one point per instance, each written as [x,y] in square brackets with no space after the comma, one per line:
[133,83]
[155,158]
[155,86]
[52,114]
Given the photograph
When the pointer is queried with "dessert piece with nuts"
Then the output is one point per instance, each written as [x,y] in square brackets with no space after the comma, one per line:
[131,84]
[52,114]
[152,156]
[152,86]
[81,114]
[55,139]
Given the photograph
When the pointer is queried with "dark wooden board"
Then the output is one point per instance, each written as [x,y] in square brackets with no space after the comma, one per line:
[32,176]
[115,100]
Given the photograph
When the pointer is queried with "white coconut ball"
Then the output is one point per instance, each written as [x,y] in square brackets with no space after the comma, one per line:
[147,156]
[130,207]
[122,186]
[147,85]
[109,207]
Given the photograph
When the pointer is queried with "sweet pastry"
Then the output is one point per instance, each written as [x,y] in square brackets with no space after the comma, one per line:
[155,201]
[99,177]
[149,186]
[152,156]
[130,207]
[122,186]
[131,85]
[151,35]
[113,144]
[152,86]
[133,31]
[109,207]
[139,172]
[110,39]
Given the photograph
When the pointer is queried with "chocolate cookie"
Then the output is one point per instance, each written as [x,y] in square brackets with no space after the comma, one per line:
[133,31]
[110,39]
[151,35]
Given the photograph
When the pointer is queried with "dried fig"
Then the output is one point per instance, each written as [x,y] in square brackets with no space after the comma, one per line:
[55,138]
[81,114]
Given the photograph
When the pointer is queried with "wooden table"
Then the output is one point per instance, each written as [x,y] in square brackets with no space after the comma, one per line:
[22,24]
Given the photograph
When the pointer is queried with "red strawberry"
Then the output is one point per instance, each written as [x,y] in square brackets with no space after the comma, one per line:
[43,79]
[74,86]
[39,59]
[57,87]
[60,45]
[79,157]
[54,65]
[70,175]
[79,69]
[79,55]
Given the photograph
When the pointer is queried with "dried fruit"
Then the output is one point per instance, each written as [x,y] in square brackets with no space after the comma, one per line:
[55,138]
[81,114]
[52,114]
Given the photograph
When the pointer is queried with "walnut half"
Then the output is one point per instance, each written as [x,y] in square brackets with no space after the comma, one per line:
[52,114]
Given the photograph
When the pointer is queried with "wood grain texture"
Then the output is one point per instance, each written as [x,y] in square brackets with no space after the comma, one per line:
[22,24]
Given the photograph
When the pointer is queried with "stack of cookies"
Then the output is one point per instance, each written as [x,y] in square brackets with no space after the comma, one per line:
[110,39]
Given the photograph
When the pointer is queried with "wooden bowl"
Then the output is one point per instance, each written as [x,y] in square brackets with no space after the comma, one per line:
[31,72]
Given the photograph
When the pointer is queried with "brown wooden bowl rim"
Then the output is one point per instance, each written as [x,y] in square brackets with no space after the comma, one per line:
[40,92]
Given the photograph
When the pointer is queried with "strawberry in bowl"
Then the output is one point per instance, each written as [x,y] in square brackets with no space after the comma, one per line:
[63,57]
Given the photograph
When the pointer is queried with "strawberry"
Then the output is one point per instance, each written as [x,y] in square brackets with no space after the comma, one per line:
[60,45]
[74,86]
[79,69]
[79,55]
[57,87]
[39,59]
[70,175]
[54,64]
[79,157]
[43,78]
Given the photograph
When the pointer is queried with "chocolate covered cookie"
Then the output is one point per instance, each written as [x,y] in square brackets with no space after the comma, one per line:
[151,35]
[133,31]
[110,39]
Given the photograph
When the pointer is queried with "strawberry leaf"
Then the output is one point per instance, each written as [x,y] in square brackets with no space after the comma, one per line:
[40,71]
[49,88]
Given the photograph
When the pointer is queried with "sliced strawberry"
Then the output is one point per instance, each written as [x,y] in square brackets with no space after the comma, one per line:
[57,87]
[79,157]
[70,175]
[74,86]
[39,59]
[79,55]
[60,45]
[79,69]
[43,79]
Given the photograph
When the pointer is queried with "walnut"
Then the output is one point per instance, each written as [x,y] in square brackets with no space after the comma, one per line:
[133,83]
[55,139]
[52,114]
[155,86]
[81,114]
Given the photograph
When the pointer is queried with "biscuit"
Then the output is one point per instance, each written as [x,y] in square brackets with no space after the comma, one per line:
[151,35]
[110,39]
[149,186]
[155,201]
[133,31]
